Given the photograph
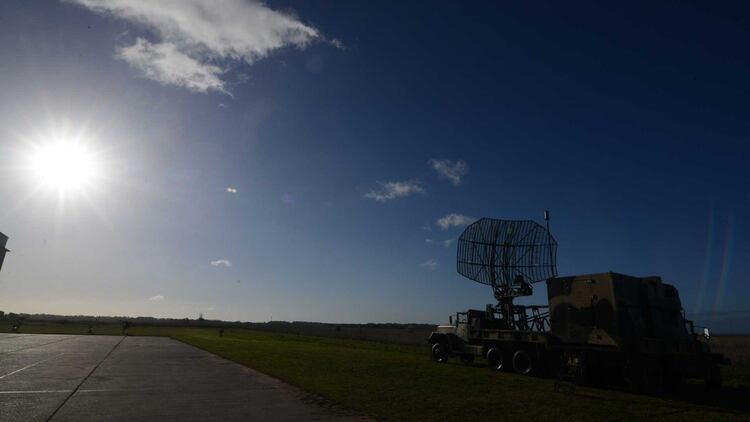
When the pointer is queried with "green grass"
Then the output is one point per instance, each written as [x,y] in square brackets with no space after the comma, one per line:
[394,382]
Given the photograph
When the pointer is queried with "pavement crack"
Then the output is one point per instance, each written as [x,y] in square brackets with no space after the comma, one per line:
[83,380]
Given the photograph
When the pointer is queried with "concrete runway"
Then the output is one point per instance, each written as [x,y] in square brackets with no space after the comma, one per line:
[112,378]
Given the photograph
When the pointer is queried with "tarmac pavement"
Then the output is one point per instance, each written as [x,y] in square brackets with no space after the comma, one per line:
[118,378]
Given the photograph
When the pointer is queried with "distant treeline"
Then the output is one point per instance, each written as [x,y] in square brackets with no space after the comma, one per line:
[390,332]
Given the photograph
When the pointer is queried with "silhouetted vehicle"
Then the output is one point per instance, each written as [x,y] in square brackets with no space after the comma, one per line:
[597,328]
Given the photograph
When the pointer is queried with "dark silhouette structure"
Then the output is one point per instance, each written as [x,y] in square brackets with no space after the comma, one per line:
[596,328]
[3,249]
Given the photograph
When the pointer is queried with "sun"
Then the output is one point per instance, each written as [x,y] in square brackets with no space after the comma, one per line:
[64,166]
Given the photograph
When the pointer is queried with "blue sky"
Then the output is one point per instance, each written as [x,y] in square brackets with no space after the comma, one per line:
[348,130]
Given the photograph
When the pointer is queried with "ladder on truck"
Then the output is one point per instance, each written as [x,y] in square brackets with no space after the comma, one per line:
[571,371]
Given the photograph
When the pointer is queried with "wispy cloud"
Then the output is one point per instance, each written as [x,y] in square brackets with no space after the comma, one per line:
[447,242]
[430,264]
[221,262]
[157,298]
[454,220]
[231,189]
[394,190]
[198,40]
[451,170]
[164,63]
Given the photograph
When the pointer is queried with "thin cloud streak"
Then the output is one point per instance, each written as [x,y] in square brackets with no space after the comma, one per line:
[221,262]
[430,264]
[394,190]
[447,242]
[454,220]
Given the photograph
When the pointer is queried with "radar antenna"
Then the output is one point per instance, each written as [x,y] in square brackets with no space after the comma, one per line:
[509,256]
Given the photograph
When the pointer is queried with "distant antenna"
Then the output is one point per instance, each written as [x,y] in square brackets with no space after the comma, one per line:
[508,255]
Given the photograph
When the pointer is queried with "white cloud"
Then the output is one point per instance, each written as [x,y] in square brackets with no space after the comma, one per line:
[157,298]
[454,220]
[447,243]
[430,264]
[164,63]
[453,171]
[219,262]
[394,190]
[203,36]
[231,189]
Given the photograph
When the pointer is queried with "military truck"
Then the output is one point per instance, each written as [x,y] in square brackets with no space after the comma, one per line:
[597,328]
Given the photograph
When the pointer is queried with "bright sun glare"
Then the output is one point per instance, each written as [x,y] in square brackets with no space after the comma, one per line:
[64,166]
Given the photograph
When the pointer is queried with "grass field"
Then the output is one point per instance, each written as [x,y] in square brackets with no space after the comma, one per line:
[395,382]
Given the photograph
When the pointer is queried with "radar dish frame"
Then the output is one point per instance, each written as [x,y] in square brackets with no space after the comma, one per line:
[509,256]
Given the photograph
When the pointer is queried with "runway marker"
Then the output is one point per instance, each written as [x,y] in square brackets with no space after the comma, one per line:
[35,392]
[29,366]
[95,390]
[71,337]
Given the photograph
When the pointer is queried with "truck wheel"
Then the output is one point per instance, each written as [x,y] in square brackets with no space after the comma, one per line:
[495,359]
[522,362]
[439,354]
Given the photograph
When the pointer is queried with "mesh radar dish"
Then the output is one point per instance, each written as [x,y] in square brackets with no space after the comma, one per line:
[508,255]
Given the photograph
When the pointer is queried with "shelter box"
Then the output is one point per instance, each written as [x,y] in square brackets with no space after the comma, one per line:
[611,309]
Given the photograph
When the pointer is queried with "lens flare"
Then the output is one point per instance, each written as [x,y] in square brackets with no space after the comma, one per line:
[726,262]
[707,261]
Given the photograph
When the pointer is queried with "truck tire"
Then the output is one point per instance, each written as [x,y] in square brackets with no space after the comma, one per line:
[495,360]
[439,353]
[522,362]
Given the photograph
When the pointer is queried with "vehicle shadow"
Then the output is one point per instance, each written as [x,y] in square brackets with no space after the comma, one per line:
[728,397]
